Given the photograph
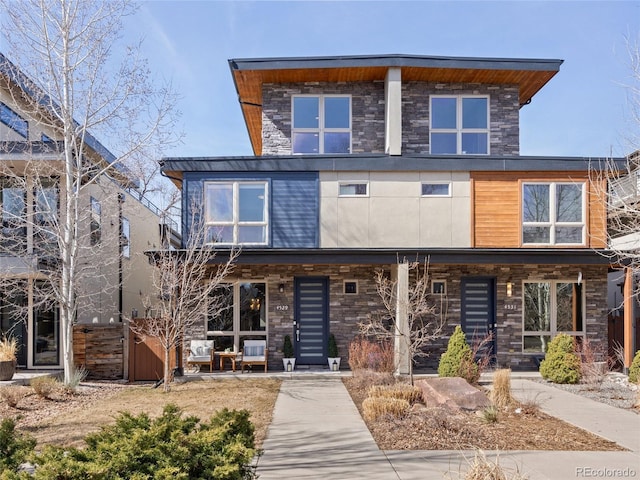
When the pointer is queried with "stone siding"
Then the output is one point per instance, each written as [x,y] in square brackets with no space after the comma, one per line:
[347,311]
[367,103]
[367,115]
[504,129]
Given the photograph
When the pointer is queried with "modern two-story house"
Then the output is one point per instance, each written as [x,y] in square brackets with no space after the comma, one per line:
[363,161]
[116,225]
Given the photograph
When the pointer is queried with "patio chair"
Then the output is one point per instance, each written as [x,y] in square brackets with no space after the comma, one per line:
[254,352]
[200,352]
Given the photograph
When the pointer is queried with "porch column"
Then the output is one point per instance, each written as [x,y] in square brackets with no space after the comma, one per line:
[628,318]
[402,319]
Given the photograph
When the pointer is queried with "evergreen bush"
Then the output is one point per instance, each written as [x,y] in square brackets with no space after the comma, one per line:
[169,447]
[332,347]
[14,448]
[287,348]
[561,364]
[634,369]
[458,360]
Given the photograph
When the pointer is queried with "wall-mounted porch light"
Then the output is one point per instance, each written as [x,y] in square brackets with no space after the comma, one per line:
[509,288]
[281,288]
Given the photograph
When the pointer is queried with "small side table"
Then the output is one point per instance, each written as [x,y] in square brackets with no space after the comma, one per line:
[231,356]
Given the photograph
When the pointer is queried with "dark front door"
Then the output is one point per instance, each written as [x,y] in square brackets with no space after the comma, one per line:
[312,319]
[479,313]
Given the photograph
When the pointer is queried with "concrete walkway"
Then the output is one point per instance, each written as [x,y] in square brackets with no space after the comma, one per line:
[317,433]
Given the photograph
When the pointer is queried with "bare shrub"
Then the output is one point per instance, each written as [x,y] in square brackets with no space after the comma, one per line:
[12,395]
[369,378]
[500,394]
[484,469]
[593,365]
[369,355]
[402,391]
[530,406]
[44,386]
[376,407]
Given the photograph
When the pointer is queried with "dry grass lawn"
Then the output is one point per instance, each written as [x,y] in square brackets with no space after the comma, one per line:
[67,419]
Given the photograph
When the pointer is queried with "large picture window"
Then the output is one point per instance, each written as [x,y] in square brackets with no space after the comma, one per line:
[237,312]
[321,124]
[551,307]
[459,124]
[553,213]
[236,213]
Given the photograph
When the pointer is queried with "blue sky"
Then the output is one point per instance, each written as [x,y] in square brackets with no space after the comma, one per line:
[582,111]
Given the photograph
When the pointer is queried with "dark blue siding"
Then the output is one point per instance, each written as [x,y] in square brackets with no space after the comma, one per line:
[293,210]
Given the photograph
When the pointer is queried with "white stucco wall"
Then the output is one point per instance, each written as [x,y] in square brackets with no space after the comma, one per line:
[394,214]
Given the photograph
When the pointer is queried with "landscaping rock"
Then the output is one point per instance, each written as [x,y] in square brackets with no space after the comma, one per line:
[452,392]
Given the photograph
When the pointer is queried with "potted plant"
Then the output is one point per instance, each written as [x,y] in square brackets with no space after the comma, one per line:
[8,352]
[333,359]
[288,360]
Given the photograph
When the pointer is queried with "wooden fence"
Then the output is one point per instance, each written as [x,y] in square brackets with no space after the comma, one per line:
[99,348]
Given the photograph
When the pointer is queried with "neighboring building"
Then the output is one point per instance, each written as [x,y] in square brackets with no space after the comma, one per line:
[364,160]
[116,219]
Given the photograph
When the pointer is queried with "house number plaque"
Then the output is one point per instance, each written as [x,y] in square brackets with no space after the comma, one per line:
[282,308]
[510,306]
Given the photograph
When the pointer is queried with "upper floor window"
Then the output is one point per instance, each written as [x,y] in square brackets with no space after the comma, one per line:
[13,205]
[459,124]
[553,213]
[95,225]
[47,202]
[436,189]
[236,213]
[321,124]
[353,189]
[126,238]
[13,120]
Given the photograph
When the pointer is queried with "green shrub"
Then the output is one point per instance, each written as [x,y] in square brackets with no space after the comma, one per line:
[332,348]
[634,369]
[561,364]
[287,349]
[458,360]
[169,447]
[14,448]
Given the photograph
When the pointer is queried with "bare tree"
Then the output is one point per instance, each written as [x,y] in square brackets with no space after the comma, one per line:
[426,315]
[67,73]
[617,184]
[188,286]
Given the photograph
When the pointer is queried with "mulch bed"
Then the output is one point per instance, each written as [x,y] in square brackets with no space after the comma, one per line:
[441,429]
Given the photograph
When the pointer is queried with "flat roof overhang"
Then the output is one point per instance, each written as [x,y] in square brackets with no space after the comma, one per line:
[249,74]
[173,167]
[435,256]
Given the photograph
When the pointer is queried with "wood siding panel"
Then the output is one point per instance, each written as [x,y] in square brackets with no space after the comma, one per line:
[497,205]
[496,214]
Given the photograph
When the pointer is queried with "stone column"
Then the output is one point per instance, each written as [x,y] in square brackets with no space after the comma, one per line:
[393,111]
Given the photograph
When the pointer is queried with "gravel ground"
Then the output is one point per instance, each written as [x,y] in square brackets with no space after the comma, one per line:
[614,390]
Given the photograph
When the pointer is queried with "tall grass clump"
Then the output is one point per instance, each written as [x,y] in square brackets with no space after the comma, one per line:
[500,394]
[402,391]
[376,407]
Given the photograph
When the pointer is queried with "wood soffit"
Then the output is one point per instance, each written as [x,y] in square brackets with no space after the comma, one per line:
[249,83]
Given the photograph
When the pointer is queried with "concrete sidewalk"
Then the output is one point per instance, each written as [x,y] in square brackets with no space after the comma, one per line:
[317,433]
